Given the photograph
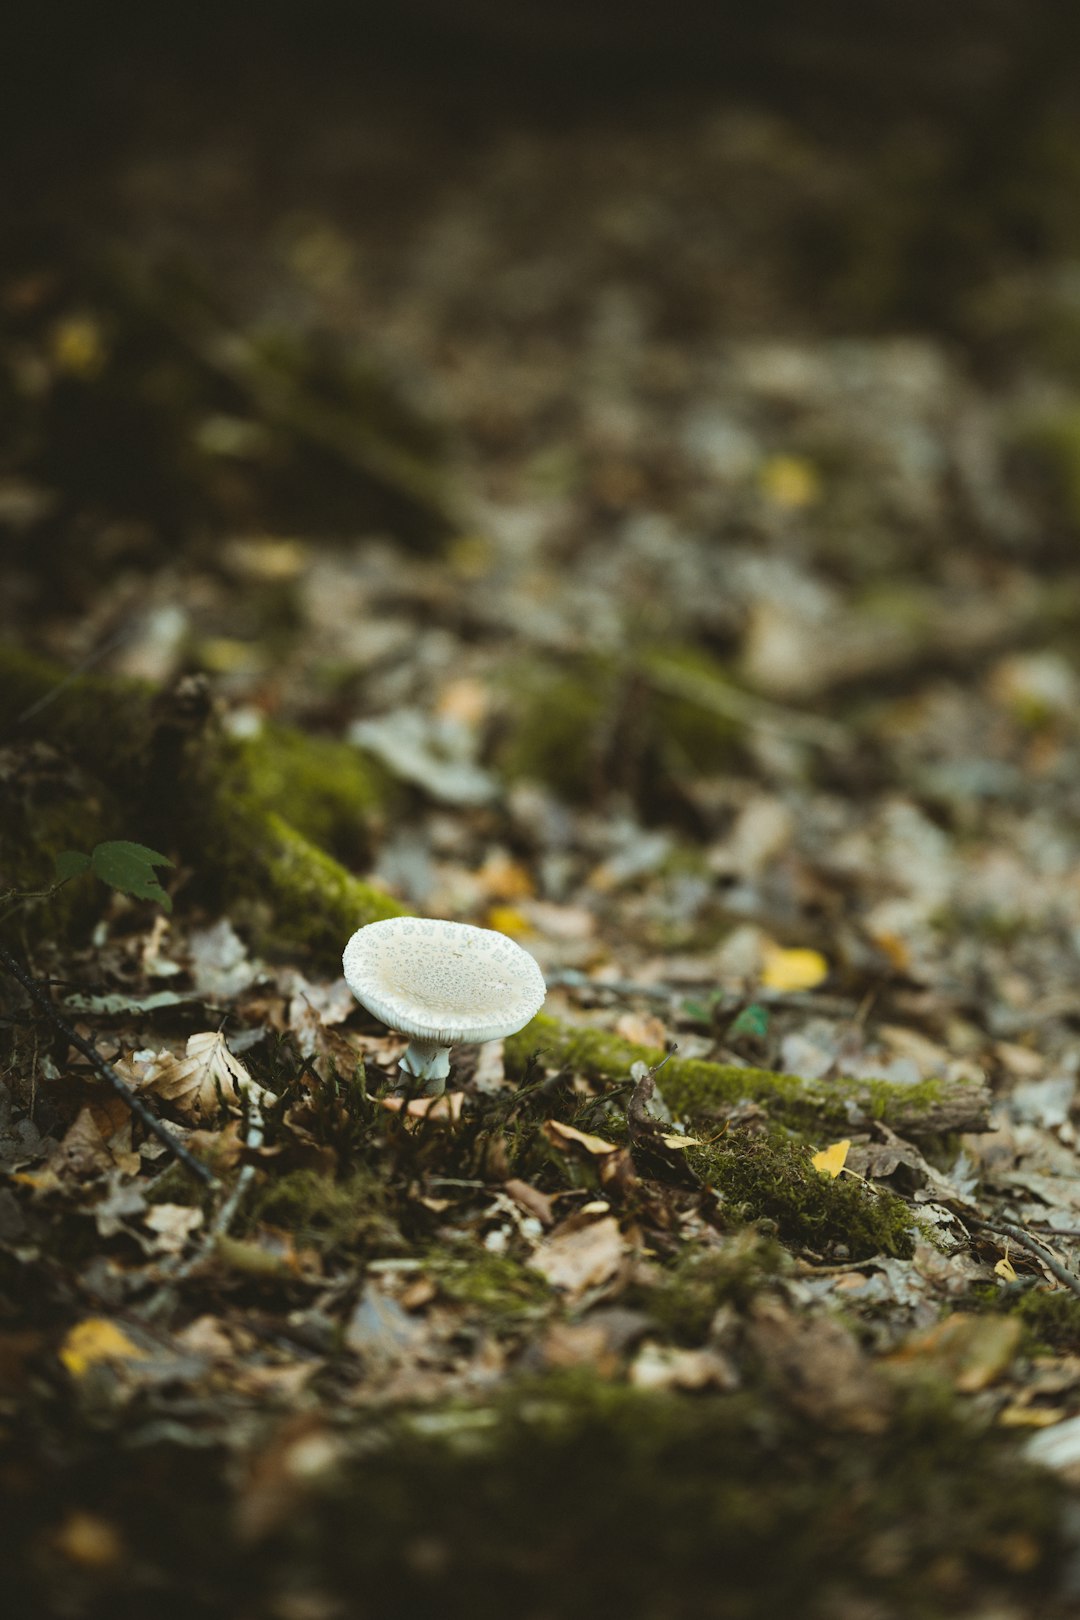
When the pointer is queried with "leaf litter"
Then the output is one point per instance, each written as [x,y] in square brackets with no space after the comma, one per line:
[747,705]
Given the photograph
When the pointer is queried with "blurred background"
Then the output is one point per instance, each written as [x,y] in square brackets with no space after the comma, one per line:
[656,412]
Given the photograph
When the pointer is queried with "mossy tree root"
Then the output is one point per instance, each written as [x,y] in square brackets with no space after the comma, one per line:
[243,817]
[694,1088]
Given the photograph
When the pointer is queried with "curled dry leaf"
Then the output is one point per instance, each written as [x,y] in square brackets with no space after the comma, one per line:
[204,1079]
[447,1107]
[565,1136]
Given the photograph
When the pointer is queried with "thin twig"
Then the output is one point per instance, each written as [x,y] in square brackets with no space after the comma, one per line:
[225,1216]
[1020,1235]
[73,674]
[134,1102]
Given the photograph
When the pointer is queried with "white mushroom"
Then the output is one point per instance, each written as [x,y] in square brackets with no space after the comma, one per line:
[442,983]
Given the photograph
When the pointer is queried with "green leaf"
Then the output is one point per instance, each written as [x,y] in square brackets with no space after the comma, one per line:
[130,868]
[753,1020]
[70,863]
[702,1011]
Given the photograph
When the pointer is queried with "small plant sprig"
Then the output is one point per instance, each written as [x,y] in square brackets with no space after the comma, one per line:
[122,865]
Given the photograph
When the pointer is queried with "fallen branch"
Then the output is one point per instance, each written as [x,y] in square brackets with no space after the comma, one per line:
[1023,1237]
[692,1087]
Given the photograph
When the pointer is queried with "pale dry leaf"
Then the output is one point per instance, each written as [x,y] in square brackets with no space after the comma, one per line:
[576,1258]
[315,1007]
[172,1225]
[204,1079]
[664,1366]
[564,1136]
[446,1107]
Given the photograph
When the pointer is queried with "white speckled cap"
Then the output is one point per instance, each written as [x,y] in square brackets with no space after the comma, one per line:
[443,981]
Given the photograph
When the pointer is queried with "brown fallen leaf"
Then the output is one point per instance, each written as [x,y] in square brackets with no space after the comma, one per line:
[447,1107]
[578,1257]
[816,1365]
[644,1029]
[531,1200]
[83,1152]
[204,1079]
[563,1136]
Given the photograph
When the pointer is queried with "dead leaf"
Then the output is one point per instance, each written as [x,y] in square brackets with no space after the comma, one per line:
[576,1258]
[531,1200]
[816,1365]
[94,1340]
[490,1072]
[665,1366]
[89,1541]
[200,1082]
[173,1224]
[644,1029]
[563,1136]
[970,1351]
[313,1008]
[447,1107]
[790,970]
[831,1160]
[83,1153]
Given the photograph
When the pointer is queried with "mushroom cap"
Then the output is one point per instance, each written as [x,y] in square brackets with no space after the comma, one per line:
[443,981]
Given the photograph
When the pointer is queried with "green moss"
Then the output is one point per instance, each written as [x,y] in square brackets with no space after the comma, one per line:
[693,708]
[693,1087]
[291,893]
[686,1296]
[1051,1316]
[320,1212]
[500,1288]
[576,1498]
[634,721]
[222,806]
[771,1178]
[325,789]
[1054,440]
[558,728]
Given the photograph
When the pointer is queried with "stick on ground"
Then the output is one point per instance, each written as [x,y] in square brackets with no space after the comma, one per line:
[150,1120]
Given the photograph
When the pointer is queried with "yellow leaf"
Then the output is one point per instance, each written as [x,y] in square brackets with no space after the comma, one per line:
[792,970]
[97,1339]
[1004,1268]
[508,920]
[832,1159]
[78,346]
[791,481]
[88,1541]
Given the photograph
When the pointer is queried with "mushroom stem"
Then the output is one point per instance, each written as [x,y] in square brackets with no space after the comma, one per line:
[427,1060]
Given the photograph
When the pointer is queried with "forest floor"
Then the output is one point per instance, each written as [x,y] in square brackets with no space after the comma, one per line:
[529,521]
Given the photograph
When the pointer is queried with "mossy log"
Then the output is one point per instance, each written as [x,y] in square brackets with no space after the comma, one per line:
[248,820]
[692,1087]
